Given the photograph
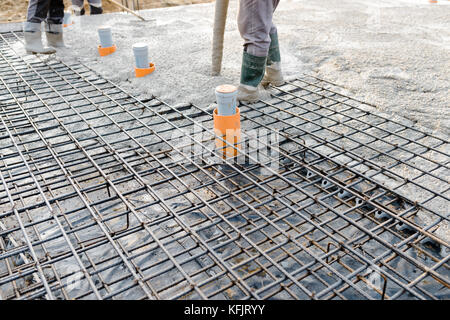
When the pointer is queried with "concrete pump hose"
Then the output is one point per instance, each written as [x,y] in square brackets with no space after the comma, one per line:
[220,19]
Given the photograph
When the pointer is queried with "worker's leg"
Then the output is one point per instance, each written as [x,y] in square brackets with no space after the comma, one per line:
[273,73]
[56,12]
[37,12]
[274,47]
[53,25]
[255,25]
[78,7]
[77,4]
[96,6]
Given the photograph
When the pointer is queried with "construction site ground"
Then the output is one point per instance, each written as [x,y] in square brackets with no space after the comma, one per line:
[363,150]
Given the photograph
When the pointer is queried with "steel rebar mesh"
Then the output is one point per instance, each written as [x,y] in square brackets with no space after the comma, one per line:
[106,196]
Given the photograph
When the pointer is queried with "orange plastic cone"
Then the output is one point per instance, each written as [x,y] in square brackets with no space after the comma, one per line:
[228,128]
[106,51]
[142,72]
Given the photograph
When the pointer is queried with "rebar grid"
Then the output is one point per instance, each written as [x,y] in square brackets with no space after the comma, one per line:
[99,198]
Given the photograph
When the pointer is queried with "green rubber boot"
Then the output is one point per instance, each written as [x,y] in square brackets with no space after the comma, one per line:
[273,73]
[252,72]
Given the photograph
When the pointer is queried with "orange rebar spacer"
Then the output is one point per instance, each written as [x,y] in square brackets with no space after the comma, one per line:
[142,72]
[229,129]
[106,51]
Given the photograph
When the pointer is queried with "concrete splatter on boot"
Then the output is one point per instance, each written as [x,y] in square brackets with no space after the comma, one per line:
[55,36]
[247,93]
[273,74]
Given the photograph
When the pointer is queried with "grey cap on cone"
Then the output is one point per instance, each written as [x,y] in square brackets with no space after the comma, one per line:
[220,19]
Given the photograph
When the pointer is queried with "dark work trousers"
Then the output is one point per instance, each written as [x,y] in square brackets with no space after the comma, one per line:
[50,11]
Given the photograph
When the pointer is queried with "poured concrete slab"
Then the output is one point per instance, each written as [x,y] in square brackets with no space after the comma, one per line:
[393,54]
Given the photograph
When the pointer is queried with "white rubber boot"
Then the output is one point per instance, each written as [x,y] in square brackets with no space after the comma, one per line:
[55,37]
[273,75]
[33,43]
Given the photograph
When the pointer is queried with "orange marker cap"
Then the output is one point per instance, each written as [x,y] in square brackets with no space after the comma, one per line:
[226,88]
